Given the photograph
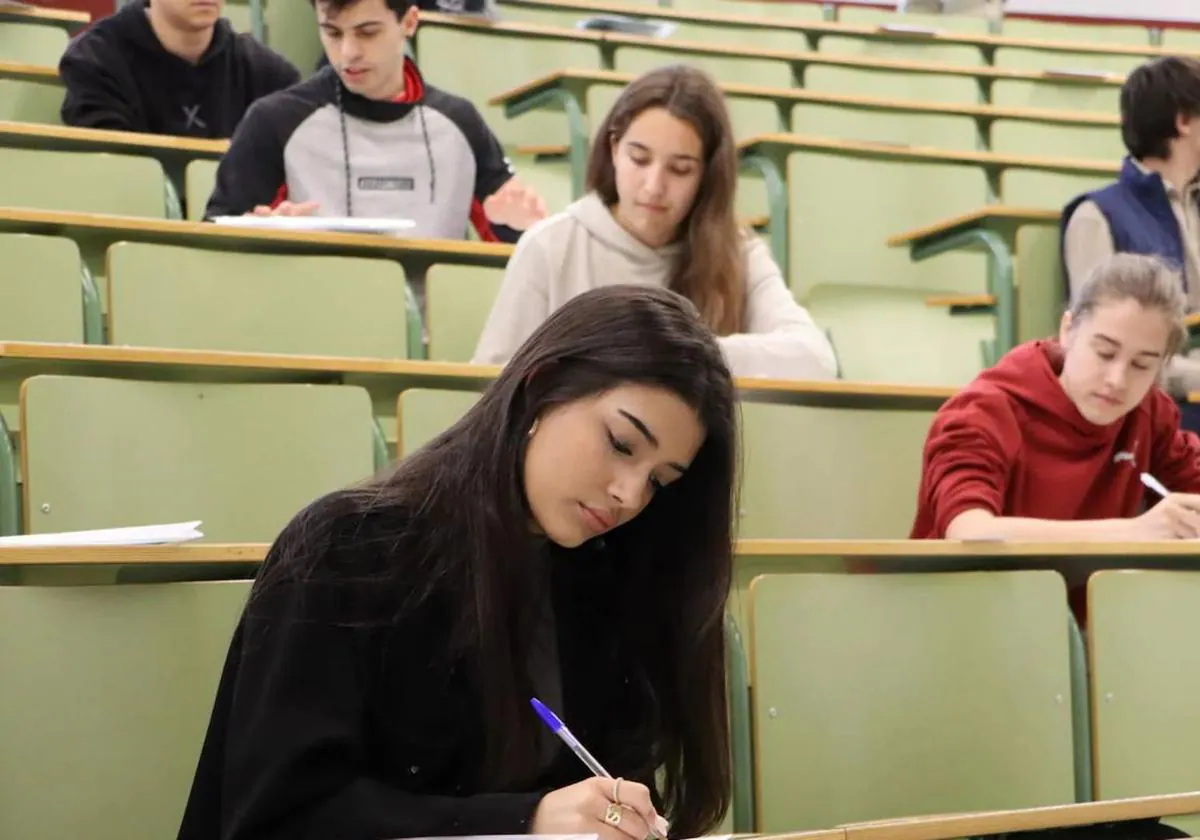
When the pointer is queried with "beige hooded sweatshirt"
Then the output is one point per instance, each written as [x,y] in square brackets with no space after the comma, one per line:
[583,248]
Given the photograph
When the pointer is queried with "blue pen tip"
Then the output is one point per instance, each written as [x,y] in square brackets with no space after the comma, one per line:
[545,714]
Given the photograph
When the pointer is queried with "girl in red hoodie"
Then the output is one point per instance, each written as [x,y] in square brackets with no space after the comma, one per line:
[1050,443]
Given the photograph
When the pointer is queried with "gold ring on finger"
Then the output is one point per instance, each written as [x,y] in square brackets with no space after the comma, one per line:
[612,814]
[616,797]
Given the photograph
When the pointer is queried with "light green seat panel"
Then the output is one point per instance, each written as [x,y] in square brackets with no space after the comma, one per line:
[942,131]
[107,696]
[41,289]
[761,37]
[1041,295]
[510,62]
[199,179]
[1184,40]
[34,102]
[1022,58]
[32,43]
[84,182]
[199,299]
[551,177]
[566,18]
[957,55]
[1043,30]
[424,413]
[889,84]
[1056,95]
[762,8]
[458,301]
[292,32]
[891,695]
[239,16]
[1024,137]
[748,116]
[843,209]
[723,68]
[867,16]
[810,473]
[868,326]
[243,458]
[1145,674]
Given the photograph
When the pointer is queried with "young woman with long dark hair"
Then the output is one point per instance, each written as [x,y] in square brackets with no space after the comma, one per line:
[570,539]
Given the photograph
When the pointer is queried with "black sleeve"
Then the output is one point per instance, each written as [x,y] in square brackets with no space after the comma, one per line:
[492,167]
[96,94]
[251,171]
[295,749]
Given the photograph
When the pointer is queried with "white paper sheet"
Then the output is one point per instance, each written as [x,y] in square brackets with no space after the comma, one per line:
[177,532]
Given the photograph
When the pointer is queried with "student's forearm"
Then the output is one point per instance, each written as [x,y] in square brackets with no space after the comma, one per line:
[979,525]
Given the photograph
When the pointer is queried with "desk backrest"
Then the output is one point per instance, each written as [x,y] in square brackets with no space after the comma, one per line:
[200,299]
[41,289]
[28,101]
[199,179]
[107,695]
[86,182]
[1145,675]
[890,695]
[31,43]
[243,458]
[458,301]
[511,60]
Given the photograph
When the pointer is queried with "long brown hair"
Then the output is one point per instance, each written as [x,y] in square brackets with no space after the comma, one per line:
[711,271]
[457,531]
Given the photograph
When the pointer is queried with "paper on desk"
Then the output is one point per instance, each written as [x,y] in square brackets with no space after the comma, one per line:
[177,532]
[1082,73]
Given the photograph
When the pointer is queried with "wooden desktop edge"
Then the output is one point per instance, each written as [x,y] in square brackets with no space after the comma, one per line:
[15,351]
[933,154]
[99,136]
[208,230]
[34,14]
[36,72]
[999,822]
[1032,215]
[237,553]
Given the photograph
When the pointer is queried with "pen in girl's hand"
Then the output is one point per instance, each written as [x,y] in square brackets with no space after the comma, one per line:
[560,729]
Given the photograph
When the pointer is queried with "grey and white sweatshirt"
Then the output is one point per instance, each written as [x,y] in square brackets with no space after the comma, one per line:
[427,156]
[583,248]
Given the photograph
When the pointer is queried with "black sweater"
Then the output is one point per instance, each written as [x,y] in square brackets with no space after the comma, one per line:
[324,727]
[118,76]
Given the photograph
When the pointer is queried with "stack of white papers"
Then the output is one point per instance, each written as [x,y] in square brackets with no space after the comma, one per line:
[178,532]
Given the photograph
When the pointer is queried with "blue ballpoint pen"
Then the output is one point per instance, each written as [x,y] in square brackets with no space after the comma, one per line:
[560,729]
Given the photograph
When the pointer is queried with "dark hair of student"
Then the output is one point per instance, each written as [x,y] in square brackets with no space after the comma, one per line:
[1153,97]
[400,7]
[711,269]
[469,539]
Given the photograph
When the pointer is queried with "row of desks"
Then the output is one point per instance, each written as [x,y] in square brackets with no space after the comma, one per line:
[815,30]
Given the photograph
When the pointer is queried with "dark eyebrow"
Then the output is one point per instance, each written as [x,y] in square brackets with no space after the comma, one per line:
[643,147]
[1116,343]
[649,435]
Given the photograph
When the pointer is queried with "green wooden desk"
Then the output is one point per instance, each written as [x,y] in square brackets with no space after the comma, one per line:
[1021,312]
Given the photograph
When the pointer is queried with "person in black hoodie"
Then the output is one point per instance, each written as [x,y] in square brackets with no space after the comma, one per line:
[570,539]
[168,67]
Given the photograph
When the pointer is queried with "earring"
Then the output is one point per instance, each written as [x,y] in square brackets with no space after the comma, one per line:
[533,428]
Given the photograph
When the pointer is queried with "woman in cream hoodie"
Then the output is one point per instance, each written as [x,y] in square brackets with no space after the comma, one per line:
[660,212]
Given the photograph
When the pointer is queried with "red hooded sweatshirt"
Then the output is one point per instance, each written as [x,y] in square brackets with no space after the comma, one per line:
[1014,444]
